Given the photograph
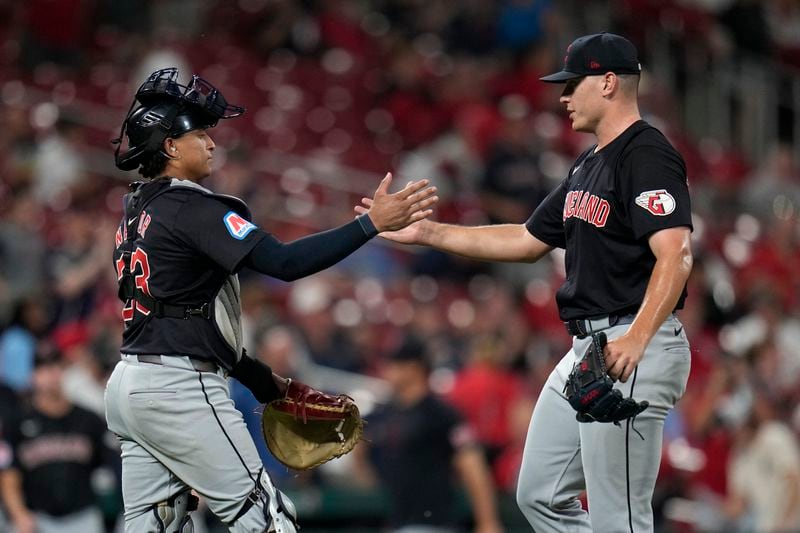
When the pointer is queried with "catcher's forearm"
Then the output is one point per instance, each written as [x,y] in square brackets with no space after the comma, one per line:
[663,291]
[499,242]
[258,377]
[310,254]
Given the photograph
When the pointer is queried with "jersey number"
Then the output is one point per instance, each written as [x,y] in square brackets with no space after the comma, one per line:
[139,261]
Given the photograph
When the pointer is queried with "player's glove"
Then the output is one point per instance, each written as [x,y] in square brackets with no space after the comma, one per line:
[591,391]
[307,427]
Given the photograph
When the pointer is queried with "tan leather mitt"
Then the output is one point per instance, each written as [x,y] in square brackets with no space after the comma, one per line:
[307,427]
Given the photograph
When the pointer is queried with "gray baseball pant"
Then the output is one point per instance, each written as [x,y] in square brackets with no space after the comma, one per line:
[616,467]
[179,429]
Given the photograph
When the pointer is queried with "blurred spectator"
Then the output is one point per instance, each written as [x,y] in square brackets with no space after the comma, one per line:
[486,392]
[506,465]
[765,472]
[59,164]
[783,17]
[78,261]
[22,252]
[417,442]
[747,23]
[85,378]
[773,189]
[328,344]
[511,180]
[56,448]
[184,17]
[522,22]
[18,140]
[18,342]
[56,31]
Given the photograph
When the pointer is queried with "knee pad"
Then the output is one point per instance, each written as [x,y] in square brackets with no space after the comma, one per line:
[172,515]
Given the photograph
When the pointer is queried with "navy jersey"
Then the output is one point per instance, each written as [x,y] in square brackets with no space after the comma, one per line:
[188,242]
[413,449]
[602,214]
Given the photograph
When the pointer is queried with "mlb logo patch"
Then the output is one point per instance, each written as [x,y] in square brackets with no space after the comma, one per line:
[237,226]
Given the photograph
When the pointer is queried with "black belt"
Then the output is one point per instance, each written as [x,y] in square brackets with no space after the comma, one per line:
[583,327]
[200,365]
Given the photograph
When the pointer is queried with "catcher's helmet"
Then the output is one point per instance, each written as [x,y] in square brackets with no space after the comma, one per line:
[168,109]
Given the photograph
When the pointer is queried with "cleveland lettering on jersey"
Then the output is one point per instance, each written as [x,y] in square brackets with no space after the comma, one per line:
[587,207]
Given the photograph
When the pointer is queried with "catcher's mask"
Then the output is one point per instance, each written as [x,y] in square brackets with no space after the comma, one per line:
[168,109]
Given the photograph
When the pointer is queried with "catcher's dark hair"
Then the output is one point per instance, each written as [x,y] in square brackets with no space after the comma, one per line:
[154,166]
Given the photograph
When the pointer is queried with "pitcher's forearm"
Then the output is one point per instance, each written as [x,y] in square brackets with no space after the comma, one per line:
[663,291]
[500,242]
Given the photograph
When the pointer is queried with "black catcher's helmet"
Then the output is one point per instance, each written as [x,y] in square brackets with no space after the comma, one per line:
[168,109]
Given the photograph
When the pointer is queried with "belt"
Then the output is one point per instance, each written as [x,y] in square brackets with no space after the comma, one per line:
[198,364]
[583,327]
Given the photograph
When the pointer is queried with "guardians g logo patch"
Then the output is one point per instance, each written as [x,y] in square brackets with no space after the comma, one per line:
[659,203]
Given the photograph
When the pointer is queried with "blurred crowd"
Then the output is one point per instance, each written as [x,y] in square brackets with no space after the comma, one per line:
[339,92]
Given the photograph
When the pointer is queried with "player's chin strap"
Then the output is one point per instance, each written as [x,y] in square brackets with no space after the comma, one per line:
[172,515]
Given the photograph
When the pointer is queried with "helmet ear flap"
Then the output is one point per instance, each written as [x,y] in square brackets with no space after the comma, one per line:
[146,129]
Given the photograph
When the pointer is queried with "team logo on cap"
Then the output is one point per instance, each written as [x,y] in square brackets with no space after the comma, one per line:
[659,202]
[237,226]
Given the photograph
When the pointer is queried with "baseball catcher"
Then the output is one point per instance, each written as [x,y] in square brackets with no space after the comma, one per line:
[591,391]
[178,252]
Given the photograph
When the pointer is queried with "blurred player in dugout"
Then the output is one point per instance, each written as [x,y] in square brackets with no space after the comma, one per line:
[48,456]
[415,444]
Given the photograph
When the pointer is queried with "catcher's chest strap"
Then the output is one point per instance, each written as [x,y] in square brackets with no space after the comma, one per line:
[583,327]
[135,204]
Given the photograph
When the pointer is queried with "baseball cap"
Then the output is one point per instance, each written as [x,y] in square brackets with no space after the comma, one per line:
[46,354]
[412,349]
[597,54]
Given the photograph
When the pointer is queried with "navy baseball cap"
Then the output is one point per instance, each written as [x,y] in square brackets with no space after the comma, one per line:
[596,54]
[412,349]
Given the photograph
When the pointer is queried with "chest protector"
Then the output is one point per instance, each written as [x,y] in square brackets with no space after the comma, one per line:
[224,311]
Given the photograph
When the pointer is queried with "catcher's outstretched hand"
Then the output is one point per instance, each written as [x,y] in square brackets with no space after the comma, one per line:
[414,233]
[394,211]
[308,427]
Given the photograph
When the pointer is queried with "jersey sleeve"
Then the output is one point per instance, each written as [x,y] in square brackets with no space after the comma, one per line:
[547,221]
[656,190]
[459,434]
[216,230]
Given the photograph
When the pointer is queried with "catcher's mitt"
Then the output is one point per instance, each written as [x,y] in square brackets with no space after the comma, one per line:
[591,391]
[307,427]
